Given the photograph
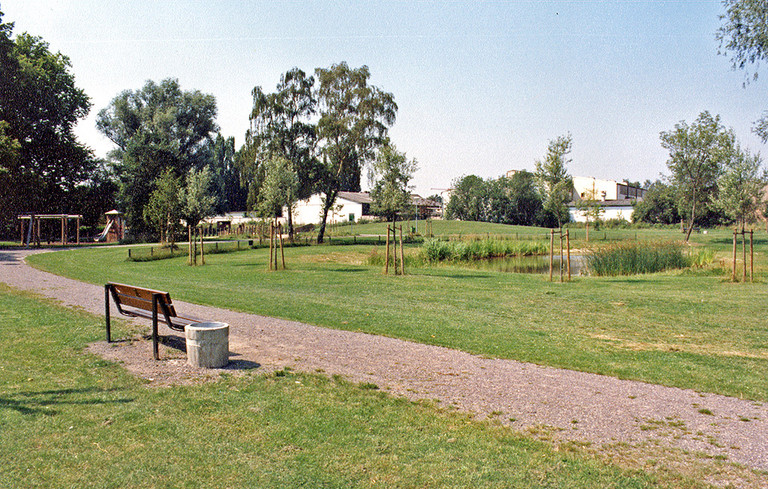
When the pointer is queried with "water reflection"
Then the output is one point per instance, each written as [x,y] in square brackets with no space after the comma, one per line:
[529,264]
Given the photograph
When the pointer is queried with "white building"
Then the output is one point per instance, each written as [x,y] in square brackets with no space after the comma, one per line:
[617,198]
[586,187]
[349,206]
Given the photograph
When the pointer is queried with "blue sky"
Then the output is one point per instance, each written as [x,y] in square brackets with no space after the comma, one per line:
[481,86]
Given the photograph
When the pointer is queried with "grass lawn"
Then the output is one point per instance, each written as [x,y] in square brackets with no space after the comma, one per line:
[70,419]
[690,329]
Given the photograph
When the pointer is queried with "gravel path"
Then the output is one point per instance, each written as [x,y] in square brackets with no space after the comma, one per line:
[567,405]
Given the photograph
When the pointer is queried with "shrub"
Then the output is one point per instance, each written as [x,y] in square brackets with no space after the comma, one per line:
[629,258]
[434,250]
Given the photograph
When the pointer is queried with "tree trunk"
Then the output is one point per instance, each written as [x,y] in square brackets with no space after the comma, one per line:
[690,223]
[189,233]
[290,225]
[327,207]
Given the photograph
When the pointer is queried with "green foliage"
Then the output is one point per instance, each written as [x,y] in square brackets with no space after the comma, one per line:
[630,258]
[279,188]
[659,206]
[555,184]
[195,198]
[391,194]
[503,200]
[354,122]
[697,154]
[740,187]
[590,206]
[281,128]
[156,128]
[226,176]
[41,161]
[435,250]
[164,207]
[744,33]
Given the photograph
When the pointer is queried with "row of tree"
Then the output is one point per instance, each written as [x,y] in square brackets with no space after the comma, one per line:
[712,179]
[42,165]
[525,198]
[313,134]
[304,138]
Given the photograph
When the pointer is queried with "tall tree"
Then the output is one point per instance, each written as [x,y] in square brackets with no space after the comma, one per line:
[555,184]
[740,187]
[354,121]
[281,129]
[40,157]
[391,194]
[659,205]
[226,176]
[697,153]
[744,36]
[157,127]
[467,202]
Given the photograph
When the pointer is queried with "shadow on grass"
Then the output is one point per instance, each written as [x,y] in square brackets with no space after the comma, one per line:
[39,402]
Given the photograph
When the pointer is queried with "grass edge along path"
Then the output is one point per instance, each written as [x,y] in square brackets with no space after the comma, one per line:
[71,419]
[680,329]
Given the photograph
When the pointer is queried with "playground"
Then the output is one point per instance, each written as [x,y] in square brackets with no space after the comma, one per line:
[35,226]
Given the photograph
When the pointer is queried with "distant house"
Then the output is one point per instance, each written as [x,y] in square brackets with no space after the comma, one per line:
[353,206]
[617,198]
[350,206]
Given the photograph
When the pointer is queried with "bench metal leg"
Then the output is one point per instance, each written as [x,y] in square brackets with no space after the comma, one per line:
[155,351]
[106,312]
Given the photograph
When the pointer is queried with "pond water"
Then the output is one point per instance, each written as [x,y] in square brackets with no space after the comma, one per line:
[530,264]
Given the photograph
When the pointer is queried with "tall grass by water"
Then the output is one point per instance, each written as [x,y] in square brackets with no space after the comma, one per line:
[434,250]
[631,258]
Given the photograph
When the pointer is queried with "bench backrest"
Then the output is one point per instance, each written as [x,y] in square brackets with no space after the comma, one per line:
[141,298]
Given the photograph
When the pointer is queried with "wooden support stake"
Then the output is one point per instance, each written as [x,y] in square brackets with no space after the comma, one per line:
[189,246]
[402,252]
[561,255]
[568,247]
[78,230]
[744,253]
[733,273]
[551,251]
[282,253]
[271,233]
[202,250]
[386,260]
[751,256]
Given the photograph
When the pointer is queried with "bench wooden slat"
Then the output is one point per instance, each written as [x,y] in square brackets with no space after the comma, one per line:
[141,302]
[142,298]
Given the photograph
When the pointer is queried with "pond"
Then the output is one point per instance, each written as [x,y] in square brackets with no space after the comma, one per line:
[530,264]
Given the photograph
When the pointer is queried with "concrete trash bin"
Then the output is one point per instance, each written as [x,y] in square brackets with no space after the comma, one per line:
[207,344]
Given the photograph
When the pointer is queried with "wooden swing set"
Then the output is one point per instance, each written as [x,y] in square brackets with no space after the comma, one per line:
[33,230]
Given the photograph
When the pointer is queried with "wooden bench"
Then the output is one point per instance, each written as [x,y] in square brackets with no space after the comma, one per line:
[144,303]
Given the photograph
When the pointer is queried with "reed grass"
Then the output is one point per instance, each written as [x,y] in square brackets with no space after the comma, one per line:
[632,258]
[434,250]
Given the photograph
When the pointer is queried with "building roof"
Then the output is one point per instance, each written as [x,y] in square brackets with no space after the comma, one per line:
[357,197]
[611,203]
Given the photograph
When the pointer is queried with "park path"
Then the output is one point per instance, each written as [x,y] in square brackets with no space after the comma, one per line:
[566,404]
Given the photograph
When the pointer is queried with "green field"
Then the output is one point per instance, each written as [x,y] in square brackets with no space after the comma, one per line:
[70,419]
[690,328]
